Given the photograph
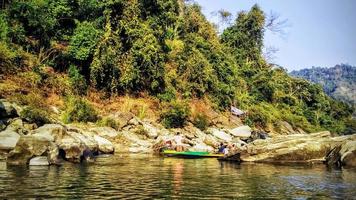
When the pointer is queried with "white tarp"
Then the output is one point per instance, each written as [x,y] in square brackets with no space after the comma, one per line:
[236,111]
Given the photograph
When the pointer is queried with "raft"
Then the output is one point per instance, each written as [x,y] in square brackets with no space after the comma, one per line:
[191,154]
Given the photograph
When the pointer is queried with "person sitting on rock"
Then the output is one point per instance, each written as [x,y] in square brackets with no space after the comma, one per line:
[168,144]
[178,139]
[226,150]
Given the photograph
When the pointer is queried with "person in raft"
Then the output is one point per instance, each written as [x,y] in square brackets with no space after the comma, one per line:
[178,139]
[221,148]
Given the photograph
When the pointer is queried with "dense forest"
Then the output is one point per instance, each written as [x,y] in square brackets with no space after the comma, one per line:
[165,49]
[338,82]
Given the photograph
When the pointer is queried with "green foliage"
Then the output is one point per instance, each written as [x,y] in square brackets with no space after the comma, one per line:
[4,28]
[165,48]
[35,115]
[7,57]
[105,71]
[175,114]
[201,121]
[78,83]
[79,110]
[168,95]
[109,122]
[245,37]
[82,43]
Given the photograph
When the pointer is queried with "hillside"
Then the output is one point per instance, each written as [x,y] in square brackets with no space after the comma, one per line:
[339,82]
[80,61]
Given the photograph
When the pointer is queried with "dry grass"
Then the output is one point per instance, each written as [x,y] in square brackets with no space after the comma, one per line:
[202,107]
[143,106]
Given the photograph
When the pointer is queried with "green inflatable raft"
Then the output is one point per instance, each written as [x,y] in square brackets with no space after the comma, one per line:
[191,154]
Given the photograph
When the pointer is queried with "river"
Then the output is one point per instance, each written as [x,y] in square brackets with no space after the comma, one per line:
[150,177]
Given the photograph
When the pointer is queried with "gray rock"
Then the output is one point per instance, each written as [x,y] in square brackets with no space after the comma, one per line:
[134,140]
[122,118]
[16,125]
[211,141]
[242,132]
[201,146]
[292,148]
[8,139]
[72,147]
[86,138]
[27,147]
[53,132]
[39,161]
[151,131]
[285,128]
[134,122]
[105,132]
[105,146]
[348,154]
[2,125]
[7,109]
[220,134]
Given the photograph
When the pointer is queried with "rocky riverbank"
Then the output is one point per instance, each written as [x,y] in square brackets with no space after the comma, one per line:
[24,143]
[300,148]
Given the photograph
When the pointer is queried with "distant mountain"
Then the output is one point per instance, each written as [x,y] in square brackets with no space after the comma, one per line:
[338,82]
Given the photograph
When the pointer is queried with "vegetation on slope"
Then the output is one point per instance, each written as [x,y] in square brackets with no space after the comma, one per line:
[164,49]
[338,82]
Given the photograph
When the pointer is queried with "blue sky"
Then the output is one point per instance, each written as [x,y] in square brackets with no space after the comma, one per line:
[320,32]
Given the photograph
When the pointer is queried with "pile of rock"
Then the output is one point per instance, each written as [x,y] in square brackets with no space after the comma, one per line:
[313,148]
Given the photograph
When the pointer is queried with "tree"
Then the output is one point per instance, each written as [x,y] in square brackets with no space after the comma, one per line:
[245,37]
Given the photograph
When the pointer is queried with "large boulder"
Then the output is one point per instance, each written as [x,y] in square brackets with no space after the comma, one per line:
[86,138]
[292,148]
[7,110]
[122,118]
[39,161]
[105,146]
[72,148]
[106,132]
[17,125]
[242,132]
[30,146]
[211,141]
[201,146]
[135,140]
[285,128]
[151,131]
[220,134]
[348,154]
[8,140]
[53,132]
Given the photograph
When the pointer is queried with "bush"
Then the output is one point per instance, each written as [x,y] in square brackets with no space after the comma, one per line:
[175,114]
[78,83]
[201,121]
[35,115]
[79,110]
[110,122]
[261,115]
[168,95]
[7,57]
[83,42]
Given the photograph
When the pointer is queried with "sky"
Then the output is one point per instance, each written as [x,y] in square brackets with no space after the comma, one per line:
[319,32]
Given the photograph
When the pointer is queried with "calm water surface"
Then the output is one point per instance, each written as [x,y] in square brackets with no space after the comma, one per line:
[150,177]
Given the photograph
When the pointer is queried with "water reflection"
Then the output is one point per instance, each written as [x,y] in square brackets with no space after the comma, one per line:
[143,176]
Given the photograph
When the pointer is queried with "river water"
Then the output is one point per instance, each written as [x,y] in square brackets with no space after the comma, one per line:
[151,177]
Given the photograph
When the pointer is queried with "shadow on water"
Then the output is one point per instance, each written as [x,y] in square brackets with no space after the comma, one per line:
[145,176]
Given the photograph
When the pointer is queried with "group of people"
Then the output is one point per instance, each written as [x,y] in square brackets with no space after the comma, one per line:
[176,143]
[226,148]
